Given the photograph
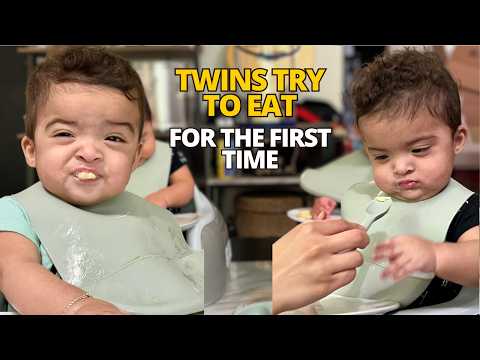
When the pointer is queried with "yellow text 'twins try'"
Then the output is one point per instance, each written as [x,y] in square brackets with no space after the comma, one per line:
[247,80]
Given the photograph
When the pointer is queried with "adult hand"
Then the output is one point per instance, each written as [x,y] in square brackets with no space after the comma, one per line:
[314,259]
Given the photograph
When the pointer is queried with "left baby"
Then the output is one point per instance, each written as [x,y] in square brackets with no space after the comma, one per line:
[83,124]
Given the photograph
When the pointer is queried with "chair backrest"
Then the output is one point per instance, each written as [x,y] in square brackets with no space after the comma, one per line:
[210,234]
[336,177]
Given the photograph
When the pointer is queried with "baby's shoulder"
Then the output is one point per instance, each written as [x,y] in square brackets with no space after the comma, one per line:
[10,207]
[14,218]
[470,207]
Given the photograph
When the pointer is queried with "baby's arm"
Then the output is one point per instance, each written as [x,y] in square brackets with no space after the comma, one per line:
[32,289]
[178,193]
[457,262]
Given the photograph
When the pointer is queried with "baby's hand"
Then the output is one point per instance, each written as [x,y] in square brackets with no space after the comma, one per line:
[92,306]
[406,254]
[323,207]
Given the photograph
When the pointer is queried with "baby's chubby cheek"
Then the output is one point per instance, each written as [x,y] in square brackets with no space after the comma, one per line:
[383,180]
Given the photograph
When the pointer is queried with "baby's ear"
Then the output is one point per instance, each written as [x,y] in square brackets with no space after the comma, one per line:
[28,147]
[459,138]
[138,156]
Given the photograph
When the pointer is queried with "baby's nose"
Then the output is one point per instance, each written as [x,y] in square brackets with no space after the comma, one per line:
[88,152]
[403,167]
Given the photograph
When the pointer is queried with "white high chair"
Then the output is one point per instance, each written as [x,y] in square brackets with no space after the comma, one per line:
[465,303]
[210,234]
[334,179]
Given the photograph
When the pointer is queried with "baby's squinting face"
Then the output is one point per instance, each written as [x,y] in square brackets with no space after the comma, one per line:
[412,160]
[86,142]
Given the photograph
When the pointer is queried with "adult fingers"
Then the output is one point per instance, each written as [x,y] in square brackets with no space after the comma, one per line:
[341,279]
[331,227]
[345,261]
[348,240]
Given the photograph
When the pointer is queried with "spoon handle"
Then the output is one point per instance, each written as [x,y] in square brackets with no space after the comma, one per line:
[367,221]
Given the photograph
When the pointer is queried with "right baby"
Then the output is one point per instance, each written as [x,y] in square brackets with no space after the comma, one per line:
[408,114]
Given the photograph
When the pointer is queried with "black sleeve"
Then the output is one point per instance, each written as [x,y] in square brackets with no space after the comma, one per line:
[178,160]
[465,219]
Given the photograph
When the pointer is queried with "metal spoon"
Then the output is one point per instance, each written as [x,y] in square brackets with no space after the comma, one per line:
[376,209]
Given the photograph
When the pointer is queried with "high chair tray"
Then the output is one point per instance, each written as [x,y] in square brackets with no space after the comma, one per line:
[335,304]
[257,308]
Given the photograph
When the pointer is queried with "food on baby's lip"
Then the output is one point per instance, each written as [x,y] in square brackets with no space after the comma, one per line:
[86,175]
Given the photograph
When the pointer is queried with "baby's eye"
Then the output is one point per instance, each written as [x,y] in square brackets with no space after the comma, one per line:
[63,134]
[115,138]
[380,157]
[420,150]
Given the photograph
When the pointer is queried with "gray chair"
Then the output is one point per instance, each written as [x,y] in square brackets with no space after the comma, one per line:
[210,233]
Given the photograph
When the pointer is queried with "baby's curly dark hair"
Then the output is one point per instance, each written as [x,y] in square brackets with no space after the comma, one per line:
[402,83]
[91,65]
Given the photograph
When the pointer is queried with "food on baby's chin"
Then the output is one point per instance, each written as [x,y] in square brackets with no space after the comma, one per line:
[382,198]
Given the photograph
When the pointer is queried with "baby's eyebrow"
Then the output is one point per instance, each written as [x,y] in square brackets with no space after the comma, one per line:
[59,121]
[375,149]
[126,124]
[409,143]
[421,138]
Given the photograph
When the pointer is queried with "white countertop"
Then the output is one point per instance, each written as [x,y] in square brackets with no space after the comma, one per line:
[248,282]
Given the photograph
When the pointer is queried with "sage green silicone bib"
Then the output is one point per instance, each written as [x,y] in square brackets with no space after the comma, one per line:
[429,219]
[125,251]
[153,174]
